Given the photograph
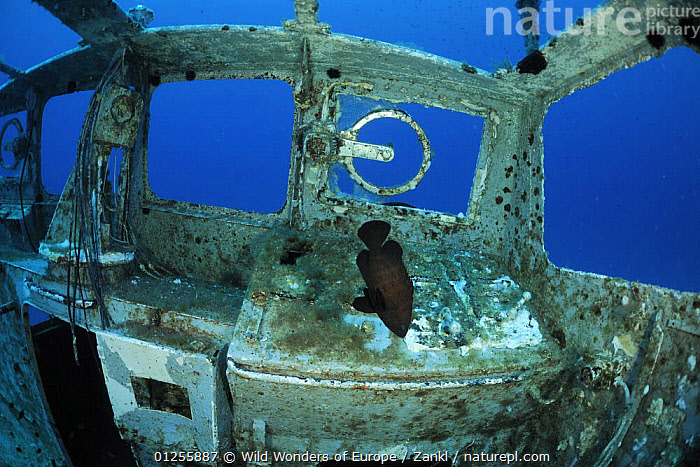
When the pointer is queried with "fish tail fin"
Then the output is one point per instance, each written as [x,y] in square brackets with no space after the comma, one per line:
[373,233]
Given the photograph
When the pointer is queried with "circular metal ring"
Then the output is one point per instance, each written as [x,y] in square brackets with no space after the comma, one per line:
[18,125]
[394,190]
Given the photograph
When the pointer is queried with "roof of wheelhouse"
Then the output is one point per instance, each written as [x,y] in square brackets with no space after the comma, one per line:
[574,59]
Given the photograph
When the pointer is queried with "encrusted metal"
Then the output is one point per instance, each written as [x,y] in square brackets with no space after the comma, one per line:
[219,329]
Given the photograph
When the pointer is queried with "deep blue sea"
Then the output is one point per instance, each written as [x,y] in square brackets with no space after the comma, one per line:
[622,158]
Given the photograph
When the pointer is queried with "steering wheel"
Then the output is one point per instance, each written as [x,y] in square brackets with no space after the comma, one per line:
[18,125]
[394,190]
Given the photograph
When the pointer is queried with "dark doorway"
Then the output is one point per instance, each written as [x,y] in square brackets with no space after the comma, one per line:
[77,395]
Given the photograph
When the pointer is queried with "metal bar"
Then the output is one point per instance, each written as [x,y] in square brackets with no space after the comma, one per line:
[59,298]
[358,149]
[685,327]
[96,21]
[7,307]
[9,70]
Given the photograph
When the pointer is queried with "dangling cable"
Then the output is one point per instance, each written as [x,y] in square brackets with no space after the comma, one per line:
[21,196]
[85,223]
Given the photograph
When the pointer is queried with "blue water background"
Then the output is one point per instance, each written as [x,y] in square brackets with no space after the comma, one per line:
[622,158]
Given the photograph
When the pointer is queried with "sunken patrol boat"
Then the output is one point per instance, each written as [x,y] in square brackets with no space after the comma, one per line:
[199,335]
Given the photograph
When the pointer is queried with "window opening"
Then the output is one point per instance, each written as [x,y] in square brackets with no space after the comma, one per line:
[222,143]
[159,395]
[113,200]
[62,121]
[454,140]
[77,395]
[622,163]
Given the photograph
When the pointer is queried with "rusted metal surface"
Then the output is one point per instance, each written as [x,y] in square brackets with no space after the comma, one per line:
[95,21]
[350,415]
[235,324]
[489,314]
[27,434]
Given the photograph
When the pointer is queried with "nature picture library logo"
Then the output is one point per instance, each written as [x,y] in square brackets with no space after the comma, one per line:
[656,20]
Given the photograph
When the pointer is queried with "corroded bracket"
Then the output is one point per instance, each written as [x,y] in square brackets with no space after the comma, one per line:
[118,118]
[349,148]
[306,18]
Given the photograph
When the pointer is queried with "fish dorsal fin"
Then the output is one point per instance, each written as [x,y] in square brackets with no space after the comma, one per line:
[373,233]
[392,249]
[362,262]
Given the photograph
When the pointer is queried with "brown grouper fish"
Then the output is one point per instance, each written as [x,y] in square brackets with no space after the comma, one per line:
[389,291]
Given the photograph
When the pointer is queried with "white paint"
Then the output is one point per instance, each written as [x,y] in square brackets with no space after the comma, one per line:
[122,397]
[400,451]
[476,344]
[376,385]
[292,282]
[413,337]
[143,359]
[496,120]
[54,251]
[380,339]
[624,343]
[639,443]
[680,403]
[520,330]
[458,287]
[514,328]
[502,284]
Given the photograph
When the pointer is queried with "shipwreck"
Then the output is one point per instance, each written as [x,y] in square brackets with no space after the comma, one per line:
[219,330]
